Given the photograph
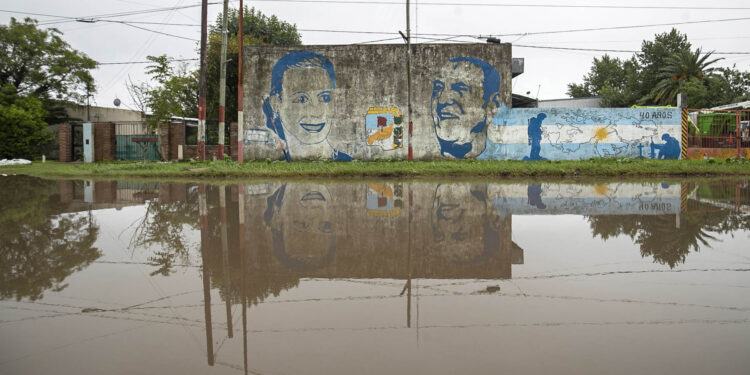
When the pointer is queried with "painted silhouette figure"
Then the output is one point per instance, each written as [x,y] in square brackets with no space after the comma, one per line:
[299,107]
[669,150]
[535,137]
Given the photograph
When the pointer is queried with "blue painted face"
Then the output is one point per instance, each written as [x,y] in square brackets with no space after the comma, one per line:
[306,106]
[464,98]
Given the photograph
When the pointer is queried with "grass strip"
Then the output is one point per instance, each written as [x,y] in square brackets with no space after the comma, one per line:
[391,169]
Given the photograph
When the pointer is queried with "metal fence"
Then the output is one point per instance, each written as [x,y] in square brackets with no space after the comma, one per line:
[135,142]
[719,129]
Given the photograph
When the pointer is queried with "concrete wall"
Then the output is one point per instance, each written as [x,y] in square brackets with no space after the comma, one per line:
[346,102]
[350,102]
[102,114]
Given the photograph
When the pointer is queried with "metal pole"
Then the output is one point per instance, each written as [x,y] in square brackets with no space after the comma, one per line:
[240,123]
[202,85]
[408,78]
[223,80]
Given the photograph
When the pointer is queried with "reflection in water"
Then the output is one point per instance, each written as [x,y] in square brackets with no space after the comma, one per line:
[256,242]
[40,244]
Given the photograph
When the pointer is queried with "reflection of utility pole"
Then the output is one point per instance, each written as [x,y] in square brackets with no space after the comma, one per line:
[223,81]
[206,281]
[243,269]
[408,266]
[202,85]
[240,124]
[225,258]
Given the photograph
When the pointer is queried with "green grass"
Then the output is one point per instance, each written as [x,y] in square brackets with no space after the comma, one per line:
[391,169]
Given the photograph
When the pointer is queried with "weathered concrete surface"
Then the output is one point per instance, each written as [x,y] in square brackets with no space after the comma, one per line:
[325,98]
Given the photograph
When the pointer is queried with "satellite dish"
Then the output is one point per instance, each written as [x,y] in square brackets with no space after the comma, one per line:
[117,102]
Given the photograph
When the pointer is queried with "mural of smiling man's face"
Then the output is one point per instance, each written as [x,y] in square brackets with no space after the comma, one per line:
[305,105]
[464,99]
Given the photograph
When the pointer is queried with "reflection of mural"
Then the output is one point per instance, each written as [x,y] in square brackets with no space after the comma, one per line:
[582,133]
[465,229]
[384,127]
[384,199]
[464,97]
[569,199]
[300,217]
[299,107]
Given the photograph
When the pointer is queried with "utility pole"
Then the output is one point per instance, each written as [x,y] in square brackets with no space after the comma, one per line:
[408,78]
[240,124]
[202,85]
[223,80]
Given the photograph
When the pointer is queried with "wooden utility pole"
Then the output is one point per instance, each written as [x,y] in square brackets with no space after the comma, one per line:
[408,78]
[202,85]
[240,124]
[223,80]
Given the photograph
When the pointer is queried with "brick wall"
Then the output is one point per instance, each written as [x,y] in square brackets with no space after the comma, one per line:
[191,151]
[104,141]
[164,139]
[65,142]
[176,138]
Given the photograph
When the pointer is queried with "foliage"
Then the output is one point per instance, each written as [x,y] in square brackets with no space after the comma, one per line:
[40,63]
[662,68]
[174,94]
[258,29]
[681,68]
[22,125]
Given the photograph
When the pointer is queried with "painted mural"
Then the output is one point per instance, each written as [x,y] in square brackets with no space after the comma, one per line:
[465,96]
[461,104]
[384,128]
[299,107]
[584,133]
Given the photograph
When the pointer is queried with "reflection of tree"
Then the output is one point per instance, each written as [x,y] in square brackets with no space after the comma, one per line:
[164,225]
[658,235]
[38,249]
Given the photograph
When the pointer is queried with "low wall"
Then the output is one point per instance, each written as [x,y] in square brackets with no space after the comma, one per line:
[717,153]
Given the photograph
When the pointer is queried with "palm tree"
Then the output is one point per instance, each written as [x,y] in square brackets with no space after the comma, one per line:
[680,68]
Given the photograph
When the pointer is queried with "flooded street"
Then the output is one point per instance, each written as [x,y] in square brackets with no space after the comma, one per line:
[124,277]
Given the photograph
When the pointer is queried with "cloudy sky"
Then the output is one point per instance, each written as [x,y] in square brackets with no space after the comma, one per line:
[548,71]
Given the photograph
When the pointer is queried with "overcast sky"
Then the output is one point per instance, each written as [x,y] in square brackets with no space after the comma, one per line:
[547,71]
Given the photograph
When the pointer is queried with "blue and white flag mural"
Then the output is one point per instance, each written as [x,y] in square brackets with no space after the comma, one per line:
[583,133]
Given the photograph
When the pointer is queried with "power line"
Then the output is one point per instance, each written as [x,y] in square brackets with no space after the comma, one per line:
[147,29]
[144,62]
[627,27]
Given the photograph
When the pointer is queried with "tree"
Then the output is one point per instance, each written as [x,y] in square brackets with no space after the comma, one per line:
[22,125]
[642,79]
[41,64]
[258,29]
[173,93]
[681,68]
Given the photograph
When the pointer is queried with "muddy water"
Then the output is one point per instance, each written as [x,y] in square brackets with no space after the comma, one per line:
[372,278]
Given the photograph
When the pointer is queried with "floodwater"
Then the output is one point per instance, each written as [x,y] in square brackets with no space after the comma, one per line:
[376,277]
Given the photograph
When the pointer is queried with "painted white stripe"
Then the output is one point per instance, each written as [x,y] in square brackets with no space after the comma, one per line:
[585,134]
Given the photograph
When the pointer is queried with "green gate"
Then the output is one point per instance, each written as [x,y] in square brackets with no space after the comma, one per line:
[134,143]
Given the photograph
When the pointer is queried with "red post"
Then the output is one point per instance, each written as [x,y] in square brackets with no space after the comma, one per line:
[202,85]
[411,154]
